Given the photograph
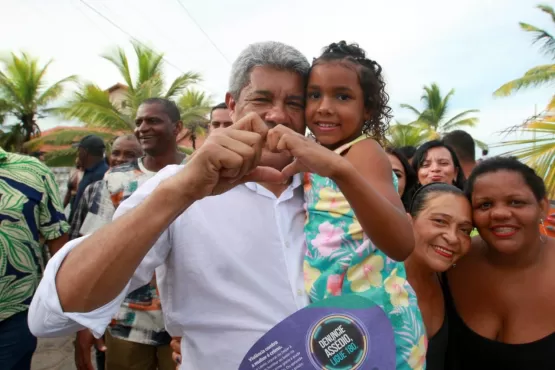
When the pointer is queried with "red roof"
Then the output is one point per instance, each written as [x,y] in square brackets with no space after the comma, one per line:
[183,139]
[117,87]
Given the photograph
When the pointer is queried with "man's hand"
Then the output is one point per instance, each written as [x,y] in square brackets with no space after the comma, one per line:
[309,156]
[83,346]
[176,348]
[228,157]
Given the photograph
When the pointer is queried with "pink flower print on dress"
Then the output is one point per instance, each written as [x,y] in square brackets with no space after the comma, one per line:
[328,239]
[334,284]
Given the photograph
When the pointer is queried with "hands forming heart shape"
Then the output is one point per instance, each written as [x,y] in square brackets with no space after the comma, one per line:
[232,155]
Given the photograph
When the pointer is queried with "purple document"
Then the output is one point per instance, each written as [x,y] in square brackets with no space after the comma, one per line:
[338,333]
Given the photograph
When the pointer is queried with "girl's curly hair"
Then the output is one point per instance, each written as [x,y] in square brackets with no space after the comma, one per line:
[371,82]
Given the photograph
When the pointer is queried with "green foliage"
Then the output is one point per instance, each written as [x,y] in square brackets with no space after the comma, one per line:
[543,75]
[434,115]
[410,134]
[24,97]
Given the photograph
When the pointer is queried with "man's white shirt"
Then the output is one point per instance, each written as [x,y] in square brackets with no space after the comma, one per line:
[228,269]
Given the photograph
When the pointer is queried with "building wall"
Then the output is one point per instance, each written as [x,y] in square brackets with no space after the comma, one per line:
[61,174]
[117,97]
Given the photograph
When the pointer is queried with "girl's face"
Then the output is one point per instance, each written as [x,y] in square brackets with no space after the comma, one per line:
[438,166]
[399,172]
[506,212]
[442,231]
[335,110]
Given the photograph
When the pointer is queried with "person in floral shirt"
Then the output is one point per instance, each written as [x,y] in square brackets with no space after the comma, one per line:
[30,208]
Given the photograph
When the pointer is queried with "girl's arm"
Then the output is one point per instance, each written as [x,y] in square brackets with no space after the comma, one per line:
[365,178]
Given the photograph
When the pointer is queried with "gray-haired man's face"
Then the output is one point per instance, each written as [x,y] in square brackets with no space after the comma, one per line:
[277,96]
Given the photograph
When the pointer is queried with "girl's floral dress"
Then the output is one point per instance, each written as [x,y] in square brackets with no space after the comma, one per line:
[340,259]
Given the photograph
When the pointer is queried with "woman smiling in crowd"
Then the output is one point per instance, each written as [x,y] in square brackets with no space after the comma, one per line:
[441,218]
[500,297]
[436,162]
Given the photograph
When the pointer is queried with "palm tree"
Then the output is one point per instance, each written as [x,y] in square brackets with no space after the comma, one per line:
[436,107]
[194,107]
[94,108]
[410,134]
[97,110]
[25,96]
[539,75]
[538,150]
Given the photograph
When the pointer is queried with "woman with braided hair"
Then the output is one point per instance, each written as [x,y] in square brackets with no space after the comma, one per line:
[356,240]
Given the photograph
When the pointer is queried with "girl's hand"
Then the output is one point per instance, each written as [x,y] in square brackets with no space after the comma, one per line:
[308,155]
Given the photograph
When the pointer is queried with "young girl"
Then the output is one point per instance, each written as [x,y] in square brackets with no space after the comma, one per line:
[356,228]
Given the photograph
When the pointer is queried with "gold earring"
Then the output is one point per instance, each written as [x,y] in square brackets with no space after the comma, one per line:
[543,232]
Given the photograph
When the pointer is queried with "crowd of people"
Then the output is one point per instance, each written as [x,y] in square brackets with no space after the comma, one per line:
[215,249]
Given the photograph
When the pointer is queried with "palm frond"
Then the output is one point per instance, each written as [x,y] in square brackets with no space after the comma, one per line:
[537,152]
[536,76]
[194,106]
[149,63]
[541,75]
[547,9]
[5,109]
[61,158]
[25,94]
[413,109]
[54,91]
[119,59]
[541,36]
[412,134]
[436,108]
[480,144]
[151,88]
[93,107]
[460,120]
[12,139]
[181,83]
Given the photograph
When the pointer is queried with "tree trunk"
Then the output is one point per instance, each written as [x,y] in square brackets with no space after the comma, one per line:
[29,127]
[194,141]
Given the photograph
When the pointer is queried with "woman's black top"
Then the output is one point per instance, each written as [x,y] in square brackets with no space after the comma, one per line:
[437,347]
[468,350]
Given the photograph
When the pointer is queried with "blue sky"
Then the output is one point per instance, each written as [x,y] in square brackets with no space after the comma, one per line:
[473,46]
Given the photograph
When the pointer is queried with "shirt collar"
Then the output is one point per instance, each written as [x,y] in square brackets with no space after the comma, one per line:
[3,154]
[295,183]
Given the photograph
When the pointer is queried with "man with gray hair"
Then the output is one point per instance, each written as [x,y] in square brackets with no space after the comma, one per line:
[221,291]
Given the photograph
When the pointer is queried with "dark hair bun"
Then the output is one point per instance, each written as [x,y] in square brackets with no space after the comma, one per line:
[343,50]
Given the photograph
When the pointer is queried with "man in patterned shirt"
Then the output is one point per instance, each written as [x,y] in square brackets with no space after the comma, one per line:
[30,207]
[137,339]
[125,148]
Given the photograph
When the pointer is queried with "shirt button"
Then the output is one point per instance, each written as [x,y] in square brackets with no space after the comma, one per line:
[299,292]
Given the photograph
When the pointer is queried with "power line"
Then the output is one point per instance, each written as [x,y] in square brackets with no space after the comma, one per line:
[130,36]
[76,6]
[202,30]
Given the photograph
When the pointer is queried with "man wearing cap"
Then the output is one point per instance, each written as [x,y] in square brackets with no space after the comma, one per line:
[90,157]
